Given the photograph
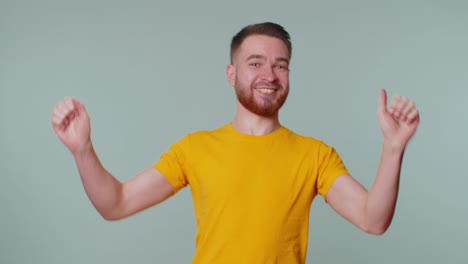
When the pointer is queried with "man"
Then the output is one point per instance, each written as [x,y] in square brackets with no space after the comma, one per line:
[252,180]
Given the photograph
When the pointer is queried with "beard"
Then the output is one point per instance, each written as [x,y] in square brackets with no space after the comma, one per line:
[264,106]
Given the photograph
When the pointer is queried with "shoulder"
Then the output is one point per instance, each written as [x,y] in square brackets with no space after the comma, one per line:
[208,133]
[304,139]
[311,145]
[201,136]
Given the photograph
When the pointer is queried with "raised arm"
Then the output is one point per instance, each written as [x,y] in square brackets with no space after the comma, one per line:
[113,200]
[372,211]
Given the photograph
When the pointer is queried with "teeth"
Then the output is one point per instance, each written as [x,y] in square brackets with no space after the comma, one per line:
[266,91]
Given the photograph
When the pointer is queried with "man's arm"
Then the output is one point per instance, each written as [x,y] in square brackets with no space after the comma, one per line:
[372,211]
[113,200]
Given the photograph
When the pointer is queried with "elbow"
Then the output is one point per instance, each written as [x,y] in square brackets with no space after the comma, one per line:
[110,216]
[111,211]
[376,230]
[376,226]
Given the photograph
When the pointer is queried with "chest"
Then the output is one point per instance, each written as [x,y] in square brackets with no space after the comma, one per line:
[250,176]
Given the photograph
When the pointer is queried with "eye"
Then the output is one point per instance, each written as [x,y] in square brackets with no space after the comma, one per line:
[255,64]
[281,67]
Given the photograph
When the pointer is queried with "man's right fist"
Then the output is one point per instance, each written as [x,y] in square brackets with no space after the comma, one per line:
[70,122]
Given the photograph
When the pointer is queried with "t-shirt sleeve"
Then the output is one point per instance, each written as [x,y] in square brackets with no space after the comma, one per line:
[173,164]
[330,167]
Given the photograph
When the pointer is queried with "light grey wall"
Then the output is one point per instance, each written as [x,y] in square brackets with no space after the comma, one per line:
[151,71]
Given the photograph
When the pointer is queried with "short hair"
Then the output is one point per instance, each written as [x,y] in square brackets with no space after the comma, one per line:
[266,28]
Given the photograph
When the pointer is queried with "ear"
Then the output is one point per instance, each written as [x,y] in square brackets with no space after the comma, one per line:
[231,75]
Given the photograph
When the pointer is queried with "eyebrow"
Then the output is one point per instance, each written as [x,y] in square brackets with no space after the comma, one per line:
[257,56]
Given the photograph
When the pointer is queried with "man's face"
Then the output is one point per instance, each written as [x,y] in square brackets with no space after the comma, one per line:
[260,74]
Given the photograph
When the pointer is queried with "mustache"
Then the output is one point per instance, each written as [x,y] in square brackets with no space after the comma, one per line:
[268,85]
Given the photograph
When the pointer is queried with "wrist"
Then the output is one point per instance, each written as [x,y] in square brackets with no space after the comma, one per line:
[83,150]
[393,147]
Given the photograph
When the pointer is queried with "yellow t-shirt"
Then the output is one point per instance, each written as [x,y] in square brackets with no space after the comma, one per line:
[251,194]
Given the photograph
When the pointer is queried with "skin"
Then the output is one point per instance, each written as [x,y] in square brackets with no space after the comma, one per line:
[372,211]
[113,199]
[260,89]
[259,73]
[260,62]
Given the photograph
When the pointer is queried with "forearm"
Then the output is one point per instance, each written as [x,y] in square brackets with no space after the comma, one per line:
[382,195]
[101,187]
[372,210]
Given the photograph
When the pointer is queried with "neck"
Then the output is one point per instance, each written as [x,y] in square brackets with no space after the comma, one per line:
[249,123]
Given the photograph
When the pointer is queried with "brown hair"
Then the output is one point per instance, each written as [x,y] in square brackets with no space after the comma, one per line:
[267,28]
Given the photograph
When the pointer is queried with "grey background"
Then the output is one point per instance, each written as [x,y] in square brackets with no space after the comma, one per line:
[151,71]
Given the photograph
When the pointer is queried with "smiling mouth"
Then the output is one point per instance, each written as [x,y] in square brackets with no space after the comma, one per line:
[266,90]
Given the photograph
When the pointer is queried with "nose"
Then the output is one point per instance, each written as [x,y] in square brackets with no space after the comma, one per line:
[269,74]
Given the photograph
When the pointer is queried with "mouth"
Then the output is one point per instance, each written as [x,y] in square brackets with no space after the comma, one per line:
[266,90]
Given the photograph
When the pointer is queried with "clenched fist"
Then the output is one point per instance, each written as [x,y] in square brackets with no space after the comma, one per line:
[71,124]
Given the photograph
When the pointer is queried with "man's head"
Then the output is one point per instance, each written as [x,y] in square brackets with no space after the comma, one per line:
[267,29]
[259,69]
